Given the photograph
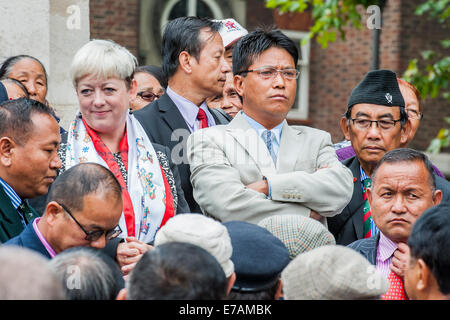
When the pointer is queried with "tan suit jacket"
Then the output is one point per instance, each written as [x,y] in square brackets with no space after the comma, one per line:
[308,176]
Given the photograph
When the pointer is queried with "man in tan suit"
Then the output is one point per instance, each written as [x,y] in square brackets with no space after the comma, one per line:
[258,165]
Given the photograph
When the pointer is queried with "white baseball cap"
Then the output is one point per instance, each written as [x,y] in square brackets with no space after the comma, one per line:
[231,31]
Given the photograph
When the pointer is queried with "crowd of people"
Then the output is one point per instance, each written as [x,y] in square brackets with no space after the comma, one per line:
[186,181]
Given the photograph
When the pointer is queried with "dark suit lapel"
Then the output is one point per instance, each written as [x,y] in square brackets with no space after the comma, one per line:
[31,240]
[373,253]
[170,113]
[354,209]
[220,117]
[356,205]
[9,217]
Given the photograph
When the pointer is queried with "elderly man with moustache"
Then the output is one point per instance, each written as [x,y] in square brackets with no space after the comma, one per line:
[403,187]
[258,165]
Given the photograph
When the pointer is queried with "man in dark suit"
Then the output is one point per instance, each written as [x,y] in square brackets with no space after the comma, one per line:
[29,140]
[193,61]
[403,187]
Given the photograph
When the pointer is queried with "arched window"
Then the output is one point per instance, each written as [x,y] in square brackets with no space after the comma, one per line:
[182,8]
[155,14]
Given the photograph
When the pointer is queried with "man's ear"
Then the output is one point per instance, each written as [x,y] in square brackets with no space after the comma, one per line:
[185,61]
[238,82]
[133,89]
[437,197]
[422,276]
[404,134]
[7,146]
[345,128]
[52,210]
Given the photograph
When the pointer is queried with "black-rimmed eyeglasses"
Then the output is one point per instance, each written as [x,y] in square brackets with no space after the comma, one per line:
[364,124]
[95,235]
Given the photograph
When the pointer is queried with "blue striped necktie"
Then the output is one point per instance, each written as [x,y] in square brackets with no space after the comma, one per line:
[269,146]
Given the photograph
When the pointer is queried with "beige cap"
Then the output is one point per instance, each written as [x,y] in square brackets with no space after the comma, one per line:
[332,272]
[298,233]
[202,231]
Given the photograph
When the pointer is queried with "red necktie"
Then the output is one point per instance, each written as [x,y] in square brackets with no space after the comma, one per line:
[201,116]
[396,289]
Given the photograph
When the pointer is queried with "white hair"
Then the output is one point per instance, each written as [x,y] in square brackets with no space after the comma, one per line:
[104,59]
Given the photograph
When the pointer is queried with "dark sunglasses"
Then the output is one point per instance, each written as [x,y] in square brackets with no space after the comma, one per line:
[95,235]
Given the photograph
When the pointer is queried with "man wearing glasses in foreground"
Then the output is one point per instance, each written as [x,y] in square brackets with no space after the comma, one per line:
[258,165]
[83,208]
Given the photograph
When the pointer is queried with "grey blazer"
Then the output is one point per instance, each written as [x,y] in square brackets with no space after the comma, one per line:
[224,159]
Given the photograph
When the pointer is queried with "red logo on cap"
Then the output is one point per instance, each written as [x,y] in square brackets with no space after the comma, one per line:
[230,25]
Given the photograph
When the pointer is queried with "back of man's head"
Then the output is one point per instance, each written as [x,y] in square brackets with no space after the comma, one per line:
[83,179]
[251,46]
[430,242]
[16,118]
[202,231]
[177,271]
[88,274]
[183,34]
[26,275]
[332,272]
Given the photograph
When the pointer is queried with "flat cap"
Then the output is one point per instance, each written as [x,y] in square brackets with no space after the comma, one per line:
[258,256]
[332,272]
[231,31]
[379,87]
[298,233]
[202,231]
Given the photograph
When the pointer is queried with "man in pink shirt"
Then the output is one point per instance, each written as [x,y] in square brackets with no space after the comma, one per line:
[403,187]
[83,208]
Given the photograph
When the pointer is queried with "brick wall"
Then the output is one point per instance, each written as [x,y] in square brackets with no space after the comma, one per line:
[336,70]
[421,33]
[117,20]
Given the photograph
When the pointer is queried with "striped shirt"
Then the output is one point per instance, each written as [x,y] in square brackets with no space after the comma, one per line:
[385,253]
[14,197]
[364,176]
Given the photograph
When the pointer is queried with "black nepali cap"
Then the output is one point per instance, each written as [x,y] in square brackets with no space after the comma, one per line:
[258,256]
[379,87]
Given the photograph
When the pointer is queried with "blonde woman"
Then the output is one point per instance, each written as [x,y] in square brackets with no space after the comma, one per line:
[105,132]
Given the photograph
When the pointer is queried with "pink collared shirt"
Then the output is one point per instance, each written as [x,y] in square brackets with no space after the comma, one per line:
[41,237]
[385,253]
